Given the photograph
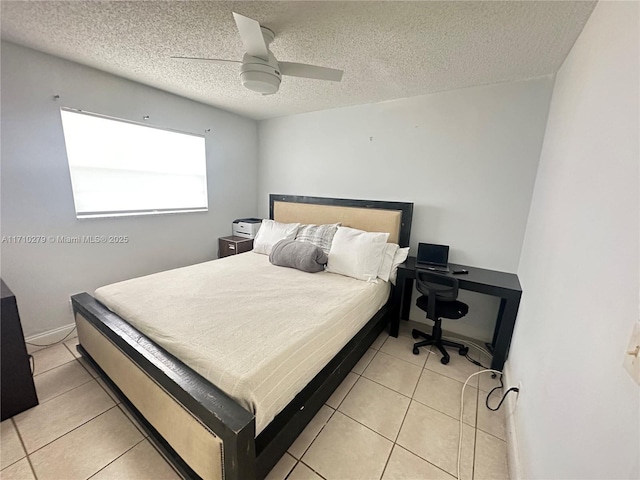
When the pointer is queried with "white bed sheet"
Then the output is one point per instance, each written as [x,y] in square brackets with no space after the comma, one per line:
[258,332]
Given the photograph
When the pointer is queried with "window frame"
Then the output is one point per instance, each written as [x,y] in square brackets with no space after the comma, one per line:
[136,212]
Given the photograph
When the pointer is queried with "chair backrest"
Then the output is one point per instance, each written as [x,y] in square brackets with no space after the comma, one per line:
[437,287]
[443,287]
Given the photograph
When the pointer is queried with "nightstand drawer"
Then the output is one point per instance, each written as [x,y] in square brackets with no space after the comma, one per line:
[233,245]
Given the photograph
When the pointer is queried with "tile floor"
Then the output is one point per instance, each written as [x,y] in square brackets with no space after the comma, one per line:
[395,416]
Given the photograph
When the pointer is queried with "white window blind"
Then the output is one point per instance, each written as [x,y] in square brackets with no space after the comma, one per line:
[123,168]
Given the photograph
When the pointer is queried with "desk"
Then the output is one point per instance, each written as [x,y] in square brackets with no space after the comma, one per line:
[505,286]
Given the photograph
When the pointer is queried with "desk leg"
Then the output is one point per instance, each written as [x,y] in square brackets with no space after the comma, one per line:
[504,331]
[401,301]
[491,346]
[394,326]
[407,292]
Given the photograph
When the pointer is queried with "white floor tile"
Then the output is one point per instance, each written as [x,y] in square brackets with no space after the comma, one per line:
[59,380]
[87,449]
[343,389]
[377,407]
[393,373]
[443,394]
[402,348]
[346,449]
[311,431]
[142,461]
[490,421]
[491,458]
[11,448]
[458,368]
[71,345]
[404,465]
[302,472]
[282,468]
[377,343]
[364,361]
[20,470]
[434,437]
[51,357]
[48,421]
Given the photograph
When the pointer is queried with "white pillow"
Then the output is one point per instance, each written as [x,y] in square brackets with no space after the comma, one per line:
[270,233]
[389,253]
[356,253]
[401,256]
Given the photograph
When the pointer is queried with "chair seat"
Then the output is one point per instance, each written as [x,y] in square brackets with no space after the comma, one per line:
[452,310]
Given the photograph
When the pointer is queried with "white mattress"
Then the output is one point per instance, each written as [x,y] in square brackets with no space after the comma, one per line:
[258,332]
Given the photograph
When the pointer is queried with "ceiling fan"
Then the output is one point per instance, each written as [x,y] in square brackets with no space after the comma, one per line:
[260,70]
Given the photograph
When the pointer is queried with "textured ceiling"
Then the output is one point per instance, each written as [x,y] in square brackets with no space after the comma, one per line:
[387,49]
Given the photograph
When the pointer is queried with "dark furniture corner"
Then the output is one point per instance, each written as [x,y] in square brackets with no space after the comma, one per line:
[439,300]
[232,245]
[17,389]
[505,286]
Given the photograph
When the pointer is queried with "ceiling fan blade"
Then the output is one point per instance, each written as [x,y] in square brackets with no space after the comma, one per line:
[310,71]
[252,37]
[206,60]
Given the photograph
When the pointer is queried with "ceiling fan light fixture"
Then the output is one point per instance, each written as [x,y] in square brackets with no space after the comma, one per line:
[260,70]
[260,78]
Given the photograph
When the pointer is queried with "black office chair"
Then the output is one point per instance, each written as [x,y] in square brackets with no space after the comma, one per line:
[439,294]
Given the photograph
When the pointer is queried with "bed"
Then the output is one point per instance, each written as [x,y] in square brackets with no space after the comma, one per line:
[196,414]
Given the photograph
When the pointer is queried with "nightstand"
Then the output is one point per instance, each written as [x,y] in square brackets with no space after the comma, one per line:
[233,245]
[18,390]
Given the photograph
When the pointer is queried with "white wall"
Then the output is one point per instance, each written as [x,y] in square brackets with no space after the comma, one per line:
[578,415]
[36,188]
[465,158]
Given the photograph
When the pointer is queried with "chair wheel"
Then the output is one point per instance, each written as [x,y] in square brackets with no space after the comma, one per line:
[416,351]
[463,351]
[444,360]
[414,334]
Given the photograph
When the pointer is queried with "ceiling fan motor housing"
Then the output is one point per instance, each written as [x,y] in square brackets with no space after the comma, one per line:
[262,76]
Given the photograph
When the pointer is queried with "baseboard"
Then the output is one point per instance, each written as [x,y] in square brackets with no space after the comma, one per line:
[42,340]
[513,453]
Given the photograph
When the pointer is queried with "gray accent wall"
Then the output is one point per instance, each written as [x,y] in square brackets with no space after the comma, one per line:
[466,158]
[36,193]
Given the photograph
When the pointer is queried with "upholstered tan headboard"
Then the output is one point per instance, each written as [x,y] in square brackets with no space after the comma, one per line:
[371,216]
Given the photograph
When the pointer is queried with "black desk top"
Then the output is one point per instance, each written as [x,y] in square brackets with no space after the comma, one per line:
[480,279]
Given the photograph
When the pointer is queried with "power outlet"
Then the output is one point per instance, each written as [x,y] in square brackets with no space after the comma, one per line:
[632,355]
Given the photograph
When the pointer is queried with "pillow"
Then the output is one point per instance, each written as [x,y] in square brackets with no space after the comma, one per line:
[300,255]
[388,254]
[356,253]
[270,233]
[320,235]
[400,257]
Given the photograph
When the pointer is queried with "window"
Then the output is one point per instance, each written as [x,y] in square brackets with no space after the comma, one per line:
[122,168]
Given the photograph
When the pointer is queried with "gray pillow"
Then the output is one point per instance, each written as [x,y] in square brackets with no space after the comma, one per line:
[300,255]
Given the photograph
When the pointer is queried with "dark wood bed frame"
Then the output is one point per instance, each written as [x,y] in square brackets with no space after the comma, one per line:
[245,457]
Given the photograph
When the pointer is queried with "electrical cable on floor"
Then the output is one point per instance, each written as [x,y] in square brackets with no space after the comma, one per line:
[466,342]
[462,412]
[512,389]
[53,343]
[32,363]
[475,362]
[504,395]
